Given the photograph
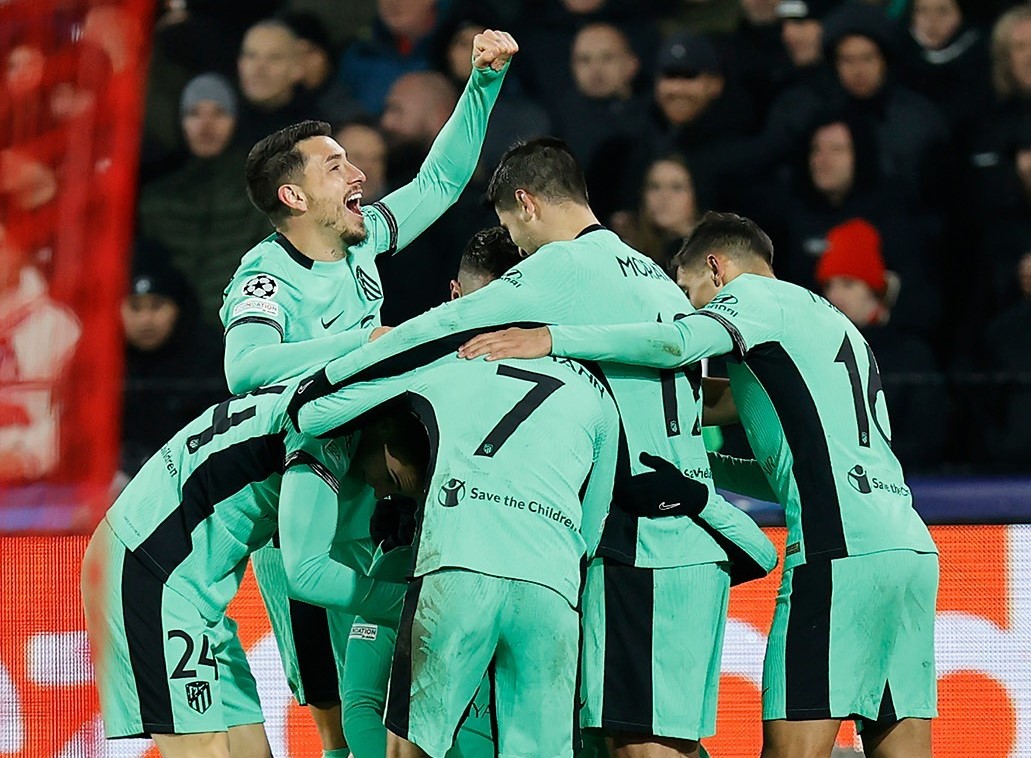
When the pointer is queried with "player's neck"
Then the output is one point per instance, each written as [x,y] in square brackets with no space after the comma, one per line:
[569,219]
[733,271]
[319,243]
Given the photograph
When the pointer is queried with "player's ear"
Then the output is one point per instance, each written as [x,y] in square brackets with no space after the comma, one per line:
[527,204]
[292,197]
[456,289]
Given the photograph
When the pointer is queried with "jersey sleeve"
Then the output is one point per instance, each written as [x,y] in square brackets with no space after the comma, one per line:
[402,215]
[648,344]
[256,356]
[530,294]
[308,513]
[744,314]
[598,493]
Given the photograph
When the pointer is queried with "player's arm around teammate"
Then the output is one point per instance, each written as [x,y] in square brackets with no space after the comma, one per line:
[857,551]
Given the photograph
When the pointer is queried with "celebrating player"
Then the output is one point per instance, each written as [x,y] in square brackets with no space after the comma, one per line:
[656,580]
[171,552]
[312,289]
[853,630]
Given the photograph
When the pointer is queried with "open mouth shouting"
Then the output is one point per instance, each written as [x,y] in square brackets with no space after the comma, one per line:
[353,202]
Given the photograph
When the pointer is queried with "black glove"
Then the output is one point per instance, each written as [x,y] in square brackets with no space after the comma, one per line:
[660,493]
[393,522]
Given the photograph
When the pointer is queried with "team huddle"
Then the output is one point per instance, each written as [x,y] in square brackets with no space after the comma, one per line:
[497,524]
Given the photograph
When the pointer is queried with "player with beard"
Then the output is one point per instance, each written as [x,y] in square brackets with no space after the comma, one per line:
[312,290]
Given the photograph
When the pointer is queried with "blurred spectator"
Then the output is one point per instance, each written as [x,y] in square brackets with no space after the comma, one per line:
[841,180]
[23,97]
[701,16]
[699,114]
[367,149]
[853,277]
[204,238]
[801,32]
[1007,420]
[402,39]
[860,42]
[270,73]
[946,60]
[602,116]
[1001,153]
[514,117]
[331,100]
[669,210]
[37,342]
[547,31]
[756,55]
[417,107]
[173,366]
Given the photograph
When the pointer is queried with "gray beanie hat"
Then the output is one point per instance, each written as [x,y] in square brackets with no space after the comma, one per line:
[208,87]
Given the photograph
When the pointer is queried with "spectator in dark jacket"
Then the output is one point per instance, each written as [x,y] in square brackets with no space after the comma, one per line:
[403,39]
[946,60]
[840,180]
[270,74]
[330,99]
[669,210]
[1008,347]
[173,365]
[853,277]
[205,237]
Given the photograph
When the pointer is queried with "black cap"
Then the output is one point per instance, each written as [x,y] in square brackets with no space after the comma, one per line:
[860,20]
[152,275]
[686,54]
[308,27]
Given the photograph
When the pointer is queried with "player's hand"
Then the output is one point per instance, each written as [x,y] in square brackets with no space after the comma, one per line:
[378,332]
[508,343]
[393,522]
[493,48]
[659,493]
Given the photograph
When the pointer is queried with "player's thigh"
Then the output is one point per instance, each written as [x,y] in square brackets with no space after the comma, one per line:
[476,738]
[653,641]
[249,741]
[304,633]
[399,747]
[445,641]
[208,745]
[799,739]
[535,671]
[649,746]
[908,738]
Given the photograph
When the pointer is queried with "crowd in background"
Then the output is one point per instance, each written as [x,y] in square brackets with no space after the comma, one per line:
[885,147]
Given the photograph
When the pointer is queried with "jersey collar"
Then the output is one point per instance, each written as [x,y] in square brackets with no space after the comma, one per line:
[292,251]
[589,229]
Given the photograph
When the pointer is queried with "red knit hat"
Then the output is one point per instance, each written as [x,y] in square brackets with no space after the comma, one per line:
[853,251]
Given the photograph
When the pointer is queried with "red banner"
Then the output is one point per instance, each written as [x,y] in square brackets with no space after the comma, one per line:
[70,107]
[48,704]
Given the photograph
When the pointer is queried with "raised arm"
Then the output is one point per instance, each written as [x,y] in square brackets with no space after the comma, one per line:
[307,526]
[455,152]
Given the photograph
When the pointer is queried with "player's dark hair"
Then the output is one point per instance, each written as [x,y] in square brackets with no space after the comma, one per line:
[491,252]
[727,233]
[274,161]
[403,434]
[544,167]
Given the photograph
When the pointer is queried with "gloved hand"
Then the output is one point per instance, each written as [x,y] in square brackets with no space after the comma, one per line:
[393,522]
[659,493]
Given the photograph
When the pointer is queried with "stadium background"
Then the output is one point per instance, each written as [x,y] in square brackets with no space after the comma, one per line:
[90,139]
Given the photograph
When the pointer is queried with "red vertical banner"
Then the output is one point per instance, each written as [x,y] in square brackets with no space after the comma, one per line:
[70,114]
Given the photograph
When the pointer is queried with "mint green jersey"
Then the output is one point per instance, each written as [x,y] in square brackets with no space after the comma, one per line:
[593,279]
[211,496]
[523,457]
[285,313]
[808,392]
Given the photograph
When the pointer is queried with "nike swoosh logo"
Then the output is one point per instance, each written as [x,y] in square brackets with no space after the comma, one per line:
[326,325]
[668,506]
[306,385]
